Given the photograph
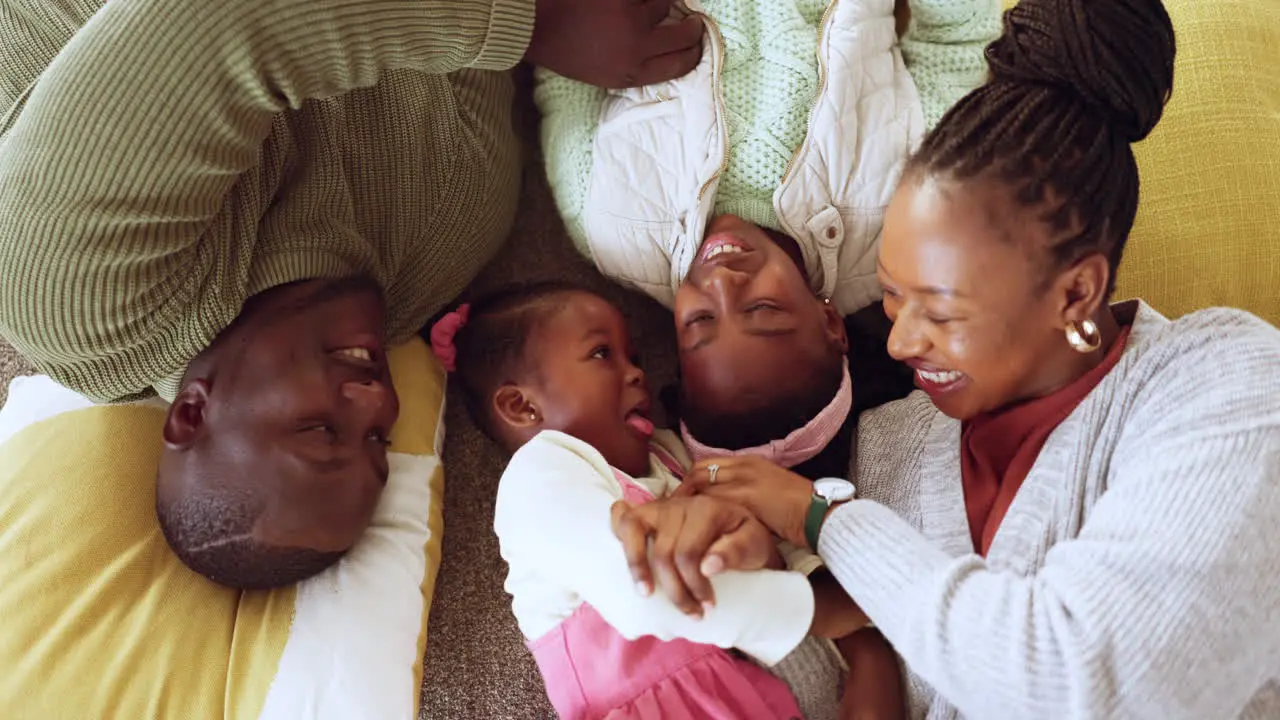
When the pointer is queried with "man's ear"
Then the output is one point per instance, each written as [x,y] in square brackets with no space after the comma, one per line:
[515,409]
[1082,289]
[834,327]
[185,421]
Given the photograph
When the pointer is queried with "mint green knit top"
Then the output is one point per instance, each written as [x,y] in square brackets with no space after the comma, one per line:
[770,80]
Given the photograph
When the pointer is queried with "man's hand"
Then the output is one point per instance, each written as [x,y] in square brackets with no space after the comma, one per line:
[776,496]
[693,538]
[614,43]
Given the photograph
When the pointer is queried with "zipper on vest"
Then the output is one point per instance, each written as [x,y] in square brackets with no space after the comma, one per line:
[822,88]
[721,112]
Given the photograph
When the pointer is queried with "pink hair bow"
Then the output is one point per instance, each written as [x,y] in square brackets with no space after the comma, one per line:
[443,334]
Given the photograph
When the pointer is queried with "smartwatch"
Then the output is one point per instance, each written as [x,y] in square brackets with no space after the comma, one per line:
[826,492]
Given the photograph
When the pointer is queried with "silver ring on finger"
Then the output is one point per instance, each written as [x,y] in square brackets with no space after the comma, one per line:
[712,469]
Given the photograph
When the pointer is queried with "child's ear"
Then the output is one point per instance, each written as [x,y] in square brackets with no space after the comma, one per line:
[515,409]
[835,332]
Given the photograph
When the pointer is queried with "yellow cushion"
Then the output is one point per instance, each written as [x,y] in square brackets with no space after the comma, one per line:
[101,620]
[1208,228]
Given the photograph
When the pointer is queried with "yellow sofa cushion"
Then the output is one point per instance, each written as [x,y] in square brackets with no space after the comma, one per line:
[102,620]
[1208,227]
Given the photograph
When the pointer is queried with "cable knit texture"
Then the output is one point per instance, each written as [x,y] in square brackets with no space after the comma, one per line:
[940,52]
[1135,574]
[769,84]
[163,160]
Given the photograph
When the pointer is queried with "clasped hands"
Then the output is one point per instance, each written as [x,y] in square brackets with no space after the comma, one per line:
[675,544]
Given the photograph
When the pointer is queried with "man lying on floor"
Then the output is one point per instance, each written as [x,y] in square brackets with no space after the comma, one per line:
[243,229]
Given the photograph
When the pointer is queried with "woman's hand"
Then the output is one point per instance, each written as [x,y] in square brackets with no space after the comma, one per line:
[776,496]
[693,538]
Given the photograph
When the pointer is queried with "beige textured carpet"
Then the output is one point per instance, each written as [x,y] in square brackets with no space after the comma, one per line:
[476,665]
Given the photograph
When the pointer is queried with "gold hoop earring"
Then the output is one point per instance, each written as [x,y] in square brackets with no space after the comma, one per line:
[1084,337]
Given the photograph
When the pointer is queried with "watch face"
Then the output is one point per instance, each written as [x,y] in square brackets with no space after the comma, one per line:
[833,489]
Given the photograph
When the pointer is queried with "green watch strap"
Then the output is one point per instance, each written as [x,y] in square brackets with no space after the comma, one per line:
[813,521]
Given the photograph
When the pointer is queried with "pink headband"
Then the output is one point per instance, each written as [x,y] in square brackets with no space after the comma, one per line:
[443,333]
[801,445]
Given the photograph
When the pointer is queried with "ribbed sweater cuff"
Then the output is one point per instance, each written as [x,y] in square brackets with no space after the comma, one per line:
[510,28]
[879,560]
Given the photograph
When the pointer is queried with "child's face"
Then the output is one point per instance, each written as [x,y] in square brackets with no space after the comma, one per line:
[587,384]
[751,332]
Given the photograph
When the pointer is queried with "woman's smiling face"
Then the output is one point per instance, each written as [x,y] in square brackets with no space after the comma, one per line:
[964,274]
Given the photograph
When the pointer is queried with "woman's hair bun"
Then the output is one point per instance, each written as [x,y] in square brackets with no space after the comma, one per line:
[1114,55]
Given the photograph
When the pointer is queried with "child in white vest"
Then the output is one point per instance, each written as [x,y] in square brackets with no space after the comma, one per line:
[749,197]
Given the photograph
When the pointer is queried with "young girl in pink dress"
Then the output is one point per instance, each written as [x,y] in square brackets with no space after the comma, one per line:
[547,372]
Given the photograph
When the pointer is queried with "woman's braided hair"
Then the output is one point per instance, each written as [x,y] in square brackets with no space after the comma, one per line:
[1073,84]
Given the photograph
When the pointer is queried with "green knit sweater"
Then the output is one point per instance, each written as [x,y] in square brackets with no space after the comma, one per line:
[769,82]
[163,160]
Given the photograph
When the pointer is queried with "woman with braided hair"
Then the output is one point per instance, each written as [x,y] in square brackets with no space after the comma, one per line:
[1077,517]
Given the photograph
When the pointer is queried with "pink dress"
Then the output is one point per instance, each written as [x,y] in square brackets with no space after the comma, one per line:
[591,671]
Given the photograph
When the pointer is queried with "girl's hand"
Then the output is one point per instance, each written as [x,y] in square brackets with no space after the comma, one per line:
[692,538]
[776,496]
